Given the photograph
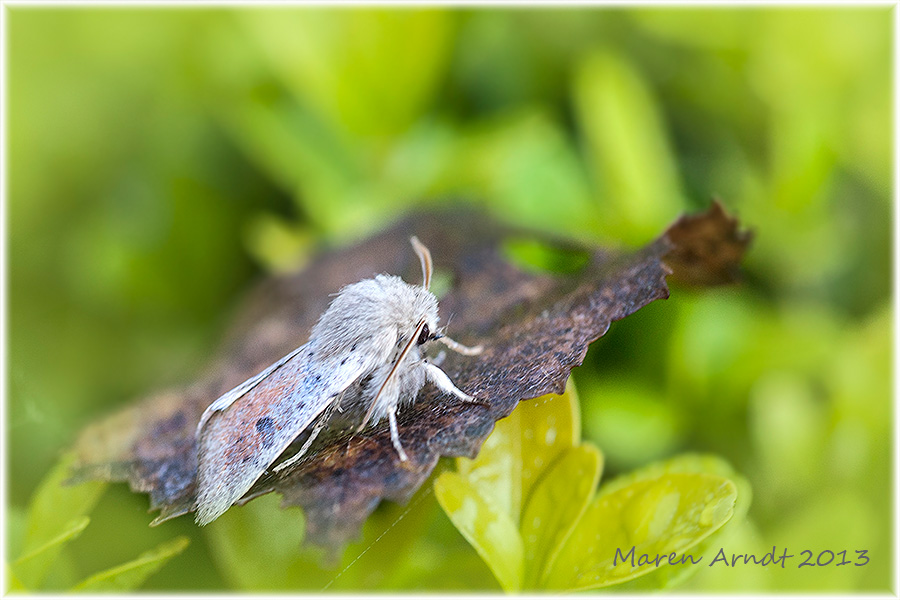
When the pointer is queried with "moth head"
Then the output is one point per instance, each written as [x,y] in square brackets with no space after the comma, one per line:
[428,333]
[363,310]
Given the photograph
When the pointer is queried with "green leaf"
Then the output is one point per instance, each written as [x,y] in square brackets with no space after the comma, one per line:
[32,566]
[549,426]
[490,530]
[669,576]
[683,463]
[521,446]
[286,143]
[496,473]
[14,528]
[339,62]
[257,545]
[628,146]
[518,161]
[13,583]
[654,517]
[635,423]
[398,527]
[129,576]
[511,467]
[556,504]
[56,515]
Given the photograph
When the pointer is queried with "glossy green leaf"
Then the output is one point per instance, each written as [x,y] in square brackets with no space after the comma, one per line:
[13,584]
[668,576]
[559,499]
[32,566]
[654,517]
[683,463]
[56,515]
[493,534]
[529,460]
[14,530]
[550,425]
[496,472]
[521,446]
[131,575]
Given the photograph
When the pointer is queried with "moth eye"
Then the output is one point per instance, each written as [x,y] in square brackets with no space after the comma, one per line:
[424,336]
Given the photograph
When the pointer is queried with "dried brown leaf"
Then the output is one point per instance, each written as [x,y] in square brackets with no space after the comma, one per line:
[535,328]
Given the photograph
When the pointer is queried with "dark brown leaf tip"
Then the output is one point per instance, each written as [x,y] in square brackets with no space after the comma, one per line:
[535,328]
[706,248]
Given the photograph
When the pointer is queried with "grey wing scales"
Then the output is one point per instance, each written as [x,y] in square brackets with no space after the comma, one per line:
[240,441]
[229,397]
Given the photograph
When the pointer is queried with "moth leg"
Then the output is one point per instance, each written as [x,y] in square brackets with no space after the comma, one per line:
[312,436]
[440,379]
[395,434]
[439,359]
[365,420]
[390,376]
[320,424]
[457,347]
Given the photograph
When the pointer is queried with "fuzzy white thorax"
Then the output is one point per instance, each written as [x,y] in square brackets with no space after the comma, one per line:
[375,319]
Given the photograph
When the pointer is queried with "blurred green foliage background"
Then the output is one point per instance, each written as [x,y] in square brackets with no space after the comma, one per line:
[161,160]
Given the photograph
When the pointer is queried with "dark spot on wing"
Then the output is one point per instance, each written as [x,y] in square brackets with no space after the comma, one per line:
[266,428]
[264,424]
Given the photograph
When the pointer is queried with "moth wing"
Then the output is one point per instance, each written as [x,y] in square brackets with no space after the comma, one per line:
[240,441]
[229,397]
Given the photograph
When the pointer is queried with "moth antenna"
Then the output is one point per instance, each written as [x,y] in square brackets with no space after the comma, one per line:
[406,349]
[425,259]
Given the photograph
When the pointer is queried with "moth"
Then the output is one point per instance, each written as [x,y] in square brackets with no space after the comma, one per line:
[366,350]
